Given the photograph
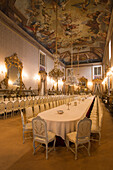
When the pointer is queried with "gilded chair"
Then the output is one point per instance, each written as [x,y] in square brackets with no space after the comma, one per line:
[36,110]
[15,106]
[54,104]
[26,103]
[22,105]
[41,107]
[29,113]
[41,135]
[31,103]
[97,123]
[81,136]
[35,102]
[2,109]
[50,105]
[57,103]
[27,128]
[46,106]
[9,108]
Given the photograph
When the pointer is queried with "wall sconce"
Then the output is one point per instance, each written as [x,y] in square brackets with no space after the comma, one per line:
[111,68]
[52,81]
[37,77]
[24,74]
[109,73]
[48,79]
[60,82]
[10,82]
[105,79]
[89,83]
[3,69]
[55,84]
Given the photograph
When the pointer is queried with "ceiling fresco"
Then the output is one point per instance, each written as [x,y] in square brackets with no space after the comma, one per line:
[82,26]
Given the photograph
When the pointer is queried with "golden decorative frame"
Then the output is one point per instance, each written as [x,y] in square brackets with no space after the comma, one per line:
[83,79]
[13,60]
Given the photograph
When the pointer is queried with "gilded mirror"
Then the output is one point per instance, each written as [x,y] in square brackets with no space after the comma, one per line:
[14,72]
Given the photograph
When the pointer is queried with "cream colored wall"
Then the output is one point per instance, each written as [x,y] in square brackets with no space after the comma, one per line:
[107,64]
[10,43]
[86,71]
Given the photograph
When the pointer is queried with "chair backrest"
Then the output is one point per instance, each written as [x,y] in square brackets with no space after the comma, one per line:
[41,100]
[31,102]
[46,106]
[9,106]
[29,112]
[6,99]
[36,110]
[22,117]
[50,105]
[35,102]
[16,104]
[39,128]
[22,104]
[84,129]
[54,104]
[41,107]
[100,111]
[11,99]
[2,107]
[27,103]
[18,98]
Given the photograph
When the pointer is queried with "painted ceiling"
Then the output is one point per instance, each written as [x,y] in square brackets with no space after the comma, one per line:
[82,26]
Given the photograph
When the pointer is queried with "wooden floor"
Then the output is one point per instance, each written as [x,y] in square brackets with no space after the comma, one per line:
[14,155]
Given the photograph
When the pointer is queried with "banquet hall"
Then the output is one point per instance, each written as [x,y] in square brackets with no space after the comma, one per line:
[56,84]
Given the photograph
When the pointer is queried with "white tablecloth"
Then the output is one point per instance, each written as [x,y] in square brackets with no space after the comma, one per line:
[64,123]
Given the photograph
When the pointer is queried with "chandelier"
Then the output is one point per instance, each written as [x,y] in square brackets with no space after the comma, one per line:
[56,73]
[72,79]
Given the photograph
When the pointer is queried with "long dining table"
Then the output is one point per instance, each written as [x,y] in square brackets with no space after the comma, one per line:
[61,124]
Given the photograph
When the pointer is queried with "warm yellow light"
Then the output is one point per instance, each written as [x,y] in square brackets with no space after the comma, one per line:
[48,79]
[105,79]
[3,69]
[24,74]
[90,83]
[103,82]
[75,86]
[10,82]
[37,77]
[52,81]
[111,68]
[60,82]
[55,85]
[109,73]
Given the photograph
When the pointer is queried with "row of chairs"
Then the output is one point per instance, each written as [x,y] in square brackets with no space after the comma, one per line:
[44,104]
[7,108]
[96,116]
[42,136]
[41,99]
[33,110]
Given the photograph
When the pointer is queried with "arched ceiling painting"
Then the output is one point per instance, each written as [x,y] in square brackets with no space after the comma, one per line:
[82,26]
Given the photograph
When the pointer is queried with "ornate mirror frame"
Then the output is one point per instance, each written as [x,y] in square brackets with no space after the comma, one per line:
[13,61]
[83,82]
